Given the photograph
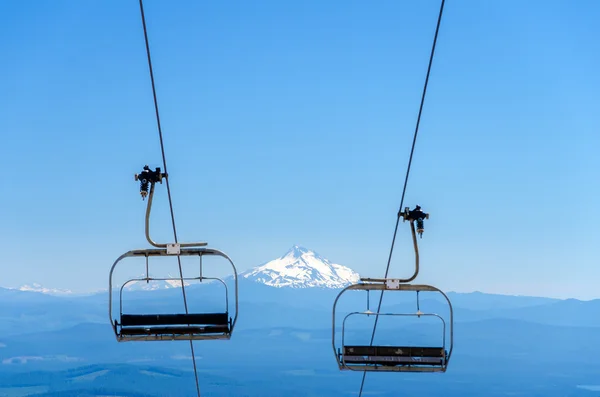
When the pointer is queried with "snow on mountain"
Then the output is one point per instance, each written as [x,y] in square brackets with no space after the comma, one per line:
[153,285]
[298,268]
[138,285]
[35,287]
[302,268]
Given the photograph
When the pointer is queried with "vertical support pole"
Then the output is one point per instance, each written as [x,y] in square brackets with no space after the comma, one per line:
[368,300]
[147,271]
[200,267]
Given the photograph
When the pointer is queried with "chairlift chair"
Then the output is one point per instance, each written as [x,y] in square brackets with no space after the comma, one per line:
[395,358]
[182,326]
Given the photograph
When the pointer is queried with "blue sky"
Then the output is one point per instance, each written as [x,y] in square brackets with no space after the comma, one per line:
[291,122]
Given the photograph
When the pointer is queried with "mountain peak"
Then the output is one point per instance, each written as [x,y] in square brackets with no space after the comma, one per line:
[297,251]
[302,268]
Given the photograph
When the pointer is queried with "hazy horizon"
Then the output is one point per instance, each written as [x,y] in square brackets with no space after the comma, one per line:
[295,125]
[71,291]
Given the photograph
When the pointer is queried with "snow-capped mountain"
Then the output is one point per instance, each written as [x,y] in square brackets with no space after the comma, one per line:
[302,268]
[35,287]
[298,268]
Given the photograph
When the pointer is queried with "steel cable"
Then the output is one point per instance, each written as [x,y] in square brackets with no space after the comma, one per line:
[387,269]
[164,159]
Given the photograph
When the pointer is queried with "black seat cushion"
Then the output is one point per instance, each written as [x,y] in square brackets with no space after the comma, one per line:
[140,320]
[402,351]
[394,355]
[211,329]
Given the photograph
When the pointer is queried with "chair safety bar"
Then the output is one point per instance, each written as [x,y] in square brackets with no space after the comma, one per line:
[388,356]
[178,279]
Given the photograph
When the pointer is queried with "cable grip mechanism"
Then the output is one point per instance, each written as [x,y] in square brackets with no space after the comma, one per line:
[147,177]
[416,215]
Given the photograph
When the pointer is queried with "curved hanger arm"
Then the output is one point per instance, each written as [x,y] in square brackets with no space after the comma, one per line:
[152,242]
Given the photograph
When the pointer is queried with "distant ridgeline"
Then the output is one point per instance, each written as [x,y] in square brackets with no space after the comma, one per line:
[61,345]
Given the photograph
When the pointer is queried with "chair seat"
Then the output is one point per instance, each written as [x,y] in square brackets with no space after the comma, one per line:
[140,320]
[174,330]
[394,355]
